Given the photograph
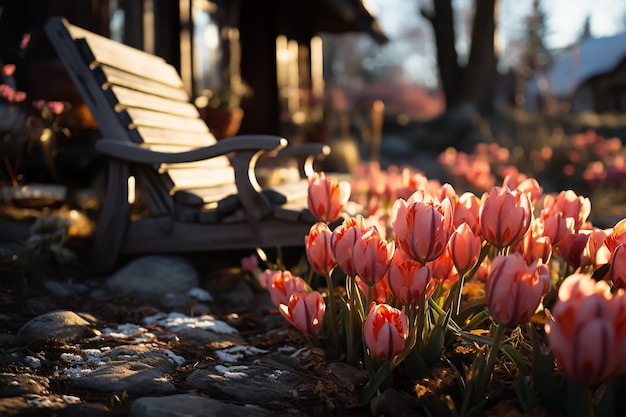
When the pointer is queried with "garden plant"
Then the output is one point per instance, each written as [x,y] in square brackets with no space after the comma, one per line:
[459,296]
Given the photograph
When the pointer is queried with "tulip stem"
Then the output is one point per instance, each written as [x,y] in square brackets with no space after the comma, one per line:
[493,354]
[331,310]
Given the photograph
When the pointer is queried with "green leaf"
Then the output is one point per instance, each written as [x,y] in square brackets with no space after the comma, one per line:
[371,387]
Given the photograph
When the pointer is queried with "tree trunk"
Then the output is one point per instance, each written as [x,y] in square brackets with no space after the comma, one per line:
[442,21]
[481,75]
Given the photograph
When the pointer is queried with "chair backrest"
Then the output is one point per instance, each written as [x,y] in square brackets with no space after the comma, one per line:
[136,96]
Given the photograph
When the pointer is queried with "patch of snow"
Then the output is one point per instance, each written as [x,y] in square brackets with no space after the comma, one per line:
[275,375]
[39,402]
[233,354]
[33,362]
[200,294]
[177,322]
[70,399]
[232,372]
[174,358]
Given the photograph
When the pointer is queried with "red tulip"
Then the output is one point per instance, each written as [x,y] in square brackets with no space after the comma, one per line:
[505,216]
[282,285]
[422,226]
[305,311]
[464,248]
[372,255]
[587,333]
[318,251]
[515,289]
[385,331]
[327,197]
[617,266]
[342,242]
[408,279]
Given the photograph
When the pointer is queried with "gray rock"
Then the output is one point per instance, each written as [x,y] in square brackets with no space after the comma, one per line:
[65,326]
[187,405]
[14,385]
[135,369]
[154,275]
[241,382]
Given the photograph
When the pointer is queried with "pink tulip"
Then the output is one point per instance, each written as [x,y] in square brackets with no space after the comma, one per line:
[557,227]
[422,226]
[464,248]
[318,250]
[282,285]
[617,266]
[443,268]
[587,333]
[505,216]
[570,205]
[408,279]
[372,255]
[467,210]
[342,242]
[380,290]
[515,289]
[305,311]
[534,246]
[617,236]
[385,331]
[327,197]
[572,247]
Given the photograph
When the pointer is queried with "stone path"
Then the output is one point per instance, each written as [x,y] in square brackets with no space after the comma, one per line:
[181,353]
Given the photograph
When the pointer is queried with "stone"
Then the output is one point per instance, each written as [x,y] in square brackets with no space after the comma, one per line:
[62,325]
[154,275]
[188,405]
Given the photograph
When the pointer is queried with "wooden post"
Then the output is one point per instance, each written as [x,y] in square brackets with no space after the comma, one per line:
[378,111]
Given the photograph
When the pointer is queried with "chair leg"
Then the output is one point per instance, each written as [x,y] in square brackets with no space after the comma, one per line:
[113,220]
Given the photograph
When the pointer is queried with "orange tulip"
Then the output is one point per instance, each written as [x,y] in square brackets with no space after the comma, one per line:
[318,251]
[587,333]
[385,331]
[557,227]
[305,311]
[408,279]
[515,289]
[342,242]
[380,290]
[464,248]
[534,246]
[570,205]
[617,236]
[617,268]
[467,211]
[282,285]
[327,197]
[422,225]
[505,216]
[372,255]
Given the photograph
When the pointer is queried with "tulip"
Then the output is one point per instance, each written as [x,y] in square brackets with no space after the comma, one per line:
[443,268]
[570,205]
[467,211]
[572,248]
[617,236]
[371,256]
[342,242]
[250,263]
[587,332]
[305,311]
[385,331]
[318,251]
[534,246]
[283,285]
[515,289]
[557,227]
[505,216]
[408,279]
[422,225]
[327,197]
[380,290]
[617,266]
[464,248]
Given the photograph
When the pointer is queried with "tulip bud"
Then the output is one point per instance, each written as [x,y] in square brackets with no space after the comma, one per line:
[305,311]
[505,216]
[327,197]
[617,268]
[283,284]
[385,331]
[371,256]
[318,251]
[408,279]
[515,289]
[342,242]
[464,248]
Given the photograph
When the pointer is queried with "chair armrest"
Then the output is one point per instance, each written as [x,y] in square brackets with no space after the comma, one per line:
[133,152]
[306,154]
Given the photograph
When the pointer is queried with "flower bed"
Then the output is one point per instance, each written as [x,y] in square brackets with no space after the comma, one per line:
[454,298]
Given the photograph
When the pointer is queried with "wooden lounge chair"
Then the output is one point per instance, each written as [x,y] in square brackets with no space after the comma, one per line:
[172,187]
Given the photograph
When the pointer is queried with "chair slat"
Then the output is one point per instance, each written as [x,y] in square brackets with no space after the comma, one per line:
[97,49]
[127,97]
[113,76]
[200,177]
[141,117]
[162,136]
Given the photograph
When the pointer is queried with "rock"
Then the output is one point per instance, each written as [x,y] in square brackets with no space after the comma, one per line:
[155,275]
[65,326]
[14,385]
[187,405]
[242,382]
[135,369]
